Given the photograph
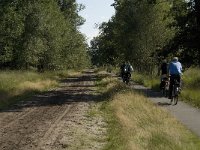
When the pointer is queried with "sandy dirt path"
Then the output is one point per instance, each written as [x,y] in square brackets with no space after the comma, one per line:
[55,120]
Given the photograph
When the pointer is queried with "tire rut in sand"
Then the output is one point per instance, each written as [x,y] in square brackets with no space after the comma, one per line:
[56,120]
[45,139]
[10,120]
[27,131]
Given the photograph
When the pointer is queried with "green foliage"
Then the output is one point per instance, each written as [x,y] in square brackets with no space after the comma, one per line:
[191,83]
[147,80]
[186,43]
[191,78]
[41,34]
[134,33]
[146,31]
[191,96]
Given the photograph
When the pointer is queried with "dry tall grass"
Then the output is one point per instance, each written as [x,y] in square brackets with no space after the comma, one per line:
[21,83]
[135,123]
[145,126]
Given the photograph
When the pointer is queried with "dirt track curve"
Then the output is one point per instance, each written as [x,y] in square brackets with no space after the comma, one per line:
[55,120]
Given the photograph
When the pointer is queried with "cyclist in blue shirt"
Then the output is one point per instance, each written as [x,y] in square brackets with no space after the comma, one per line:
[175,72]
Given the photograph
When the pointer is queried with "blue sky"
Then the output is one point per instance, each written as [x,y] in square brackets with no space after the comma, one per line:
[96,11]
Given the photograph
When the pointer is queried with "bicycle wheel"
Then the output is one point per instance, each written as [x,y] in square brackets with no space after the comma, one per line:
[173,95]
[166,93]
[176,92]
[176,100]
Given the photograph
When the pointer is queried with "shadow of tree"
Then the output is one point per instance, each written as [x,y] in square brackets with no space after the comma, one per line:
[151,94]
[80,89]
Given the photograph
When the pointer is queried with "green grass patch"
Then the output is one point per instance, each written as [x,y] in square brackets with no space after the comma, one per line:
[146,80]
[191,78]
[191,96]
[191,84]
[107,86]
[136,123]
[115,140]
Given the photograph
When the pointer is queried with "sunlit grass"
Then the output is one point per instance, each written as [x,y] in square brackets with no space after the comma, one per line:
[191,96]
[191,86]
[135,123]
[146,80]
[13,80]
[16,83]
[145,126]
[191,78]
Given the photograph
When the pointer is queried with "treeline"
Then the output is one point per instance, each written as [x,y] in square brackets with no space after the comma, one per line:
[41,34]
[145,32]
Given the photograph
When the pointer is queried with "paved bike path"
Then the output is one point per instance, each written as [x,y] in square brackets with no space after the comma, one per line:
[186,114]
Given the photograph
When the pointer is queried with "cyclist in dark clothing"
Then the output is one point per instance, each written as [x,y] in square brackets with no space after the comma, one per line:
[164,74]
[122,68]
[164,68]
[126,70]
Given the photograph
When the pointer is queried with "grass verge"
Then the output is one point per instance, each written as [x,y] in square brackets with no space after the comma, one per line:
[18,85]
[191,84]
[134,123]
[146,80]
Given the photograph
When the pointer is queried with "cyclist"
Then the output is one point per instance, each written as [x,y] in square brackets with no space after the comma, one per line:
[175,72]
[164,73]
[122,68]
[130,68]
[126,69]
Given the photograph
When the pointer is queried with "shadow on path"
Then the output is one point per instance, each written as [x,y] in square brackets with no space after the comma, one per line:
[156,96]
[71,90]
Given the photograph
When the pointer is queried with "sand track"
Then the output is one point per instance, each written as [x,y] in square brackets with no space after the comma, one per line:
[55,120]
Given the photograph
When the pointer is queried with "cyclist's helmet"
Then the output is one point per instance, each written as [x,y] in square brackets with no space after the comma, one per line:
[175,59]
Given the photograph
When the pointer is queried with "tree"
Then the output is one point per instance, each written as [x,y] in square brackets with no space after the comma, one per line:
[38,34]
[186,41]
[135,32]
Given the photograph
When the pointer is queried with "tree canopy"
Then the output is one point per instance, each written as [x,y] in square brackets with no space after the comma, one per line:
[145,32]
[41,34]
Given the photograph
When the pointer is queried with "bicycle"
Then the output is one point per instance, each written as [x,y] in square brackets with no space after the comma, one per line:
[175,92]
[126,78]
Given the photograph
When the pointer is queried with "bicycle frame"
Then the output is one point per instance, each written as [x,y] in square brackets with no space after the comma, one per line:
[126,78]
[175,92]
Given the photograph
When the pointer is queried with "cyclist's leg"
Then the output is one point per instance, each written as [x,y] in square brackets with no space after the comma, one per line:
[171,86]
[179,80]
